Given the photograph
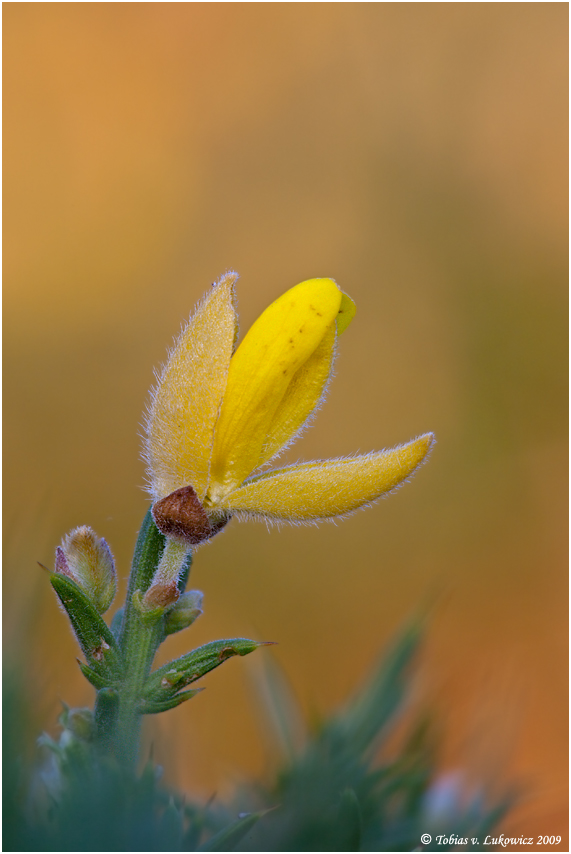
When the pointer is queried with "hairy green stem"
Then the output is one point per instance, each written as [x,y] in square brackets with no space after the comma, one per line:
[117,710]
[140,646]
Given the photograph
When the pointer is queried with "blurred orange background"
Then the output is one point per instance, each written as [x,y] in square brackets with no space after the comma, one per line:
[417,154]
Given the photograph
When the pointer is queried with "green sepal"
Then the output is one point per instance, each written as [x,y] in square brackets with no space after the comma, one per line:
[164,683]
[185,572]
[94,636]
[150,707]
[230,837]
[186,610]
[147,616]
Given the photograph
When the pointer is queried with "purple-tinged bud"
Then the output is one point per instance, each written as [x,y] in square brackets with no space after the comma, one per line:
[86,559]
[187,609]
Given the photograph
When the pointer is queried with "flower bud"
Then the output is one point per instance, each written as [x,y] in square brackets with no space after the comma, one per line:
[86,559]
[185,612]
[80,722]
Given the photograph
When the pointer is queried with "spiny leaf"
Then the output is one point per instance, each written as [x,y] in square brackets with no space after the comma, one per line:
[230,837]
[367,717]
[94,636]
[171,677]
[350,822]
[281,707]
[97,680]
[154,707]
[117,622]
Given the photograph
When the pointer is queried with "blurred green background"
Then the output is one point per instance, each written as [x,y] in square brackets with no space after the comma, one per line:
[416,153]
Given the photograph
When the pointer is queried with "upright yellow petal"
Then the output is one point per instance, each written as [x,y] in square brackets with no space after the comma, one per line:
[307,388]
[347,311]
[278,344]
[319,490]
[302,396]
[185,404]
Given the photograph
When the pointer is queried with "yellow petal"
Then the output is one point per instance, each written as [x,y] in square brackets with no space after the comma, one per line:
[307,388]
[319,490]
[302,397]
[346,314]
[276,347]
[185,404]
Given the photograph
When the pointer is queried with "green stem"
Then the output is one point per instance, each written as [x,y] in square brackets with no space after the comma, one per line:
[140,646]
[119,722]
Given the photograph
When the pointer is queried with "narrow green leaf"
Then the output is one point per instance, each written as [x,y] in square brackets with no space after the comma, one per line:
[97,680]
[171,829]
[170,678]
[350,822]
[375,707]
[281,706]
[228,838]
[148,550]
[117,622]
[150,707]
[94,636]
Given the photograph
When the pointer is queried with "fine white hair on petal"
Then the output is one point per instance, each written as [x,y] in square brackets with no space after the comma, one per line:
[319,490]
[184,404]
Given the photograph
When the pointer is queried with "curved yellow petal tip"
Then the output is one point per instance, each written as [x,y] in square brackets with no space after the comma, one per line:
[324,489]
[346,313]
[274,350]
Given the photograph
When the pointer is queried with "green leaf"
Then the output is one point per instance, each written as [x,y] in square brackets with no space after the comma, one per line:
[368,716]
[154,707]
[94,636]
[230,837]
[171,828]
[350,822]
[281,706]
[97,680]
[164,683]
[117,622]
[148,550]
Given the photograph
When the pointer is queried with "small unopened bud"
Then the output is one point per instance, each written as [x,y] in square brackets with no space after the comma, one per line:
[161,595]
[79,721]
[87,559]
[185,612]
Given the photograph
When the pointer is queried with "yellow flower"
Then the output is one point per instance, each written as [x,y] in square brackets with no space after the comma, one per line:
[219,414]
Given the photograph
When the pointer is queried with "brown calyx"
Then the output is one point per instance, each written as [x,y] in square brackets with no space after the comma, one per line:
[181,516]
[161,595]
